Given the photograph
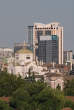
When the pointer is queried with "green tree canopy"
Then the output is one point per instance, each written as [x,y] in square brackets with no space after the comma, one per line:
[4,106]
[9,83]
[69,88]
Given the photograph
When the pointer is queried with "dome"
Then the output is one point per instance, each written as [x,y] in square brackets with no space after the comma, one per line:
[24,50]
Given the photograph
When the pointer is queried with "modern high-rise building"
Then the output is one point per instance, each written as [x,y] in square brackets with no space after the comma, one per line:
[48,49]
[52,29]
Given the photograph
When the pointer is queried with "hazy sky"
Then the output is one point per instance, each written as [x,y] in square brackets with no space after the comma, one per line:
[17,14]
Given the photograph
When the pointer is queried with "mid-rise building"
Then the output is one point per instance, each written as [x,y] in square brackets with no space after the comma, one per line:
[68,56]
[52,29]
[72,71]
[6,52]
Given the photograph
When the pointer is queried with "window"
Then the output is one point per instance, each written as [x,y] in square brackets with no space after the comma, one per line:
[47,32]
[39,33]
[27,57]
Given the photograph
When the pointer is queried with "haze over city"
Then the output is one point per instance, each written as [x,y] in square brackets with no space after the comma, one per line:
[36,55]
[15,15]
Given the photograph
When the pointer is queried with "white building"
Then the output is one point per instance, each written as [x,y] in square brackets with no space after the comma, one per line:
[6,52]
[22,62]
[24,69]
[23,56]
[54,80]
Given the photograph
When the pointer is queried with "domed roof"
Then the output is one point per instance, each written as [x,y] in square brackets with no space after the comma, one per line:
[24,50]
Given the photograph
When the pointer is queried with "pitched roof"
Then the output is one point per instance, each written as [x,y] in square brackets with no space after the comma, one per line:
[67,108]
[6,99]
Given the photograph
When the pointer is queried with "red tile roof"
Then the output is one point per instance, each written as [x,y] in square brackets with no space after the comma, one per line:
[4,99]
[67,108]
[70,98]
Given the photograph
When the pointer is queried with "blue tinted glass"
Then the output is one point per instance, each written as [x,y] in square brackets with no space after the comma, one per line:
[54,37]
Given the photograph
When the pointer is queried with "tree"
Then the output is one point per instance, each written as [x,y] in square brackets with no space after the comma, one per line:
[32,95]
[37,96]
[4,106]
[9,83]
[20,99]
[69,103]
[48,97]
[69,88]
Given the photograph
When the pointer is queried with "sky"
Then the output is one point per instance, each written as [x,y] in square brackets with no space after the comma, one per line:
[15,15]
